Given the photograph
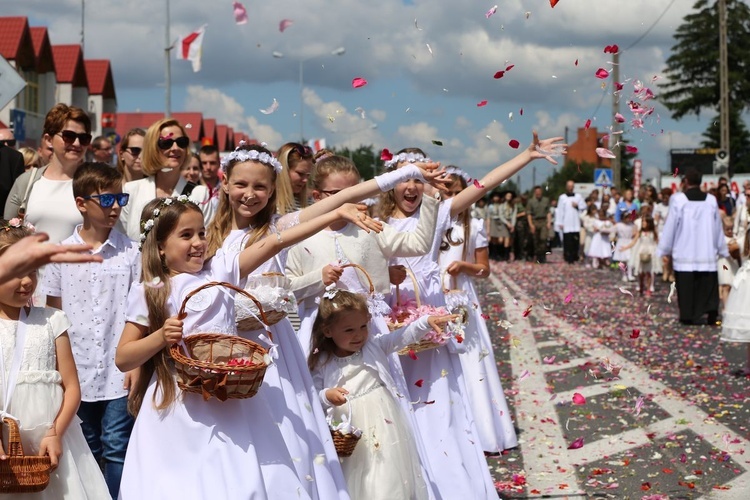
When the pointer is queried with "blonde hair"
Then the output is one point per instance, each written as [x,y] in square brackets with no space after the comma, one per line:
[387,203]
[154,266]
[289,155]
[328,312]
[151,161]
[31,158]
[221,225]
[332,165]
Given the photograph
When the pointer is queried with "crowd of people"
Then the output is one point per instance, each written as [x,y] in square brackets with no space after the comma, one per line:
[85,339]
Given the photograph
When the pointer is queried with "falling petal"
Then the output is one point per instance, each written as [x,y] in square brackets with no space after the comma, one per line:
[481,104]
[626,291]
[320,459]
[386,155]
[510,116]
[568,298]
[635,333]
[270,109]
[419,382]
[430,49]
[416,25]
[240,14]
[491,12]
[527,312]
[520,112]
[579,399]
[548,360]
[478,184]
[576,63]
[524,375]
[602,74]
[631,149]
[510,67]
[619,118]
[412,354]
[588,124]
[361,112]
[578,443]
[553,3]
[638,405]
[499,75]
[605,153]
[672,291]
[284,24]
[437,142]
[514,144]
[358,82]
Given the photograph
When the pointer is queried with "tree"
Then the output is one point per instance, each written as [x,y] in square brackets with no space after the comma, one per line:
[365,158]
[739,141]
[693,67]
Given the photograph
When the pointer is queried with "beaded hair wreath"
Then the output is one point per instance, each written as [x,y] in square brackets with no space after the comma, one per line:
[241,155]
[408,157]
[147,226]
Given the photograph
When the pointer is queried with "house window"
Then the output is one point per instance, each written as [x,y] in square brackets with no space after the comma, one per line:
[30,95]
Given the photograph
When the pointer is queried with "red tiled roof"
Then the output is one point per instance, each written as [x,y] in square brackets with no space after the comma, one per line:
[193,123]
[2,125]
[230,139]
[209,129]
[15,41]
[69,65]
[127,121]
[99,75]
[42,49]
[221,137]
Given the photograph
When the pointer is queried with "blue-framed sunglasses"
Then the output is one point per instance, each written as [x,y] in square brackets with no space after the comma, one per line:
[108,200]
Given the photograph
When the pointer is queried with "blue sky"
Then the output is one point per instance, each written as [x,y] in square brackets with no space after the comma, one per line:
[427,63]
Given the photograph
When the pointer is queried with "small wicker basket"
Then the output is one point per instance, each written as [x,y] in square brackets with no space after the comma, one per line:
[345,443]
[398,324]
[456,300]
[21,473]
[273,316]
[204,369]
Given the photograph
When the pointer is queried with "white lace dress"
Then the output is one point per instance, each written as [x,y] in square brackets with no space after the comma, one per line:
[36,401]
[735,319]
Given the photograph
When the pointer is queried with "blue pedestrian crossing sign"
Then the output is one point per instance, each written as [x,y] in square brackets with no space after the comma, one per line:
[603,177]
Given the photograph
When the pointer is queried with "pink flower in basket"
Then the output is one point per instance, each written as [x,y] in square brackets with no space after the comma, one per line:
[409,312]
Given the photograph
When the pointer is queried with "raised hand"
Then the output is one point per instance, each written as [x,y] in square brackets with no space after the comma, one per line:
[357,214]
[547,148]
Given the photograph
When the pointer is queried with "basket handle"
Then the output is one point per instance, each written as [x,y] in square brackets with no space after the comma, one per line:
[182,314]
[367,275]
[15,448]
[414,282]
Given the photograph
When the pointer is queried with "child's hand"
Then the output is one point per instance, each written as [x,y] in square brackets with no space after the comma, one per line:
[455,268]
[547,148]
[51,446]
[396,274]
[172,330]
[438,322]
[331,274]
[357,214]
[336,396]
[131,380]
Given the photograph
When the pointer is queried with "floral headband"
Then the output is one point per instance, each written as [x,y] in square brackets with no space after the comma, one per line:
[17,223]
[457,171]
[243,155]
[147,226]
[409,157]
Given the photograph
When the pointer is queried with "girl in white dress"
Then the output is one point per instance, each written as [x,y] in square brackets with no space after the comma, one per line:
[39,386]
[735,320]
[600,249]
[644,260]
[587,224]
[623,233]
[446,423]
[350,368]
[247,214]
[463,258]
[183,447]
[727,266]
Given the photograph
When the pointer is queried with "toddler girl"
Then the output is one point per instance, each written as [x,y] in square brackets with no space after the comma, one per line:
[735,320]
[588,221]
[600,249]
[623,233]
[39,388]
[644,258]
[727,266]
[351,368]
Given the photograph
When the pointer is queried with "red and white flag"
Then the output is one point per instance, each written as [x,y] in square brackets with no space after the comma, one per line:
[190,47]
[316,144]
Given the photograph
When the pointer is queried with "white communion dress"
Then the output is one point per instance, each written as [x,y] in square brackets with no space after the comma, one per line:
[735,319]
[36,401]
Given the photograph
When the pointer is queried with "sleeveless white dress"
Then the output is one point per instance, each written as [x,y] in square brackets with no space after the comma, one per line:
[735,319]
[36,401]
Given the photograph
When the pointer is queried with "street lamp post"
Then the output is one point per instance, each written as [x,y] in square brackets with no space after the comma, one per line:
[278,55]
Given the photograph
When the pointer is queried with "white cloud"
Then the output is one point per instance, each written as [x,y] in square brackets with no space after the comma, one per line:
[377,114]
[346,129]
[677,140]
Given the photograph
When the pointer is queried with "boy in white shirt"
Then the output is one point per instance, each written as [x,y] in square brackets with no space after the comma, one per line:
[94,296]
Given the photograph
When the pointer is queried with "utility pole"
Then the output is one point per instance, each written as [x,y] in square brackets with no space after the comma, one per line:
[83,28]
[723,78]
[167,68]
[614,136]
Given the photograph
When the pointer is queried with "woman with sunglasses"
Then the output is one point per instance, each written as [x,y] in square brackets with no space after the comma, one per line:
[291,186]
[129,155]
[49,202]
[166,148]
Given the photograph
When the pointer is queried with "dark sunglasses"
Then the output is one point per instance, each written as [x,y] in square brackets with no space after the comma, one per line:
[108,200]
[134,151]
[69,137]
[182,142]
[8,142]
[303,150]
[331,192]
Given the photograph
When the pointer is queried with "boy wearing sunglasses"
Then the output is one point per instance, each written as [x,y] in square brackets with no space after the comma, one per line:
[94,296]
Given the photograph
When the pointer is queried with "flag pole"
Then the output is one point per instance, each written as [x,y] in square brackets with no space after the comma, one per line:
[167,69]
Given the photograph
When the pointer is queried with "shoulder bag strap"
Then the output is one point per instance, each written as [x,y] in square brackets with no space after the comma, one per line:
[25,200]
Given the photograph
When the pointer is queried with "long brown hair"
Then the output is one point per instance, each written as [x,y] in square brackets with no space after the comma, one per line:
[289,155]
[387,203]
[465,219]
[221,225]
[328,311]
[125,144]
[154,266]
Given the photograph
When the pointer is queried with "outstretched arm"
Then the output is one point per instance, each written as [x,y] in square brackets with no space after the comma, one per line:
[537,149]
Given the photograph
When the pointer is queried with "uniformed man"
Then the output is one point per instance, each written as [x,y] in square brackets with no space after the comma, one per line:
[540,222]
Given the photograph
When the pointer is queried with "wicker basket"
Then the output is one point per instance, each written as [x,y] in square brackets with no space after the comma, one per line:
[398,324]
[456,300]
[423,344]
[21,473]
[345,443]
[272,316]
[204,369]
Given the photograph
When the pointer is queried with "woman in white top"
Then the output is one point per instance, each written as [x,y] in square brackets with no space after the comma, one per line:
[165,150]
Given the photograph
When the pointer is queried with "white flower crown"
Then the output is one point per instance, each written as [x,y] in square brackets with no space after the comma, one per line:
[410,157]
[457,171]
[147,226]
[242,155]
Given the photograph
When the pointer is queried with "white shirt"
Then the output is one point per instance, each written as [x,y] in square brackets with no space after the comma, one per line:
[143,191]
[94,298]
[569,216]
[52,208]
[693,234]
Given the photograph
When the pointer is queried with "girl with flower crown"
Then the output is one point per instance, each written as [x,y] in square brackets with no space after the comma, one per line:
[182,446]
[459,466]
[247,214]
